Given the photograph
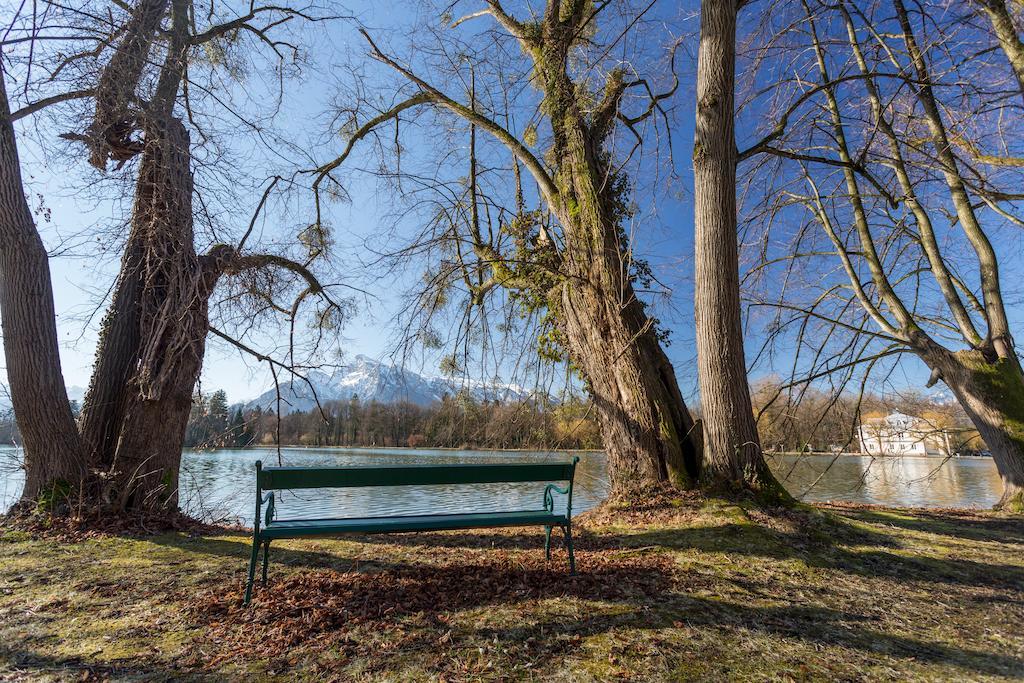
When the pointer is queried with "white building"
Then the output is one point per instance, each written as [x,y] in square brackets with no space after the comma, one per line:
[900,434]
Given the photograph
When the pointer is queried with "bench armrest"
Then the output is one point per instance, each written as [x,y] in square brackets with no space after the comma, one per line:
[549,500]
[269,499]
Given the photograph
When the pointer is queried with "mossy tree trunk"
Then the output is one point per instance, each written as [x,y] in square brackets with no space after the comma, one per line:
[587,280]
[647,432]
[646,429]
[991,391]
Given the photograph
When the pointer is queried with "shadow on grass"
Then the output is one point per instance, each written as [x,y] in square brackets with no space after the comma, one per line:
[825,541]
[819,626]
[1001,530]
[325,604]
[27,665]
[821,541]
[413,603]
[871,562]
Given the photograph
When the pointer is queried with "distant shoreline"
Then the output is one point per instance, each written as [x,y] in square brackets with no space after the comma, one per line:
[884,457]
[570,450]
[403,448]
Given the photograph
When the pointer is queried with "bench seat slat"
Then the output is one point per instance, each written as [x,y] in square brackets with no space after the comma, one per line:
[410,475]
[301,528]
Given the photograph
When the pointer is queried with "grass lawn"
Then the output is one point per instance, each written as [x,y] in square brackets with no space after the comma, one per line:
[694,591]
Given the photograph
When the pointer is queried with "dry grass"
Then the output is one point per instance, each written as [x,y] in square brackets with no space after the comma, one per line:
[681,590]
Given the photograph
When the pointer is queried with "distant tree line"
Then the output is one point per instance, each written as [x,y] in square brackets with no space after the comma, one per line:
[812,419]
[457,421]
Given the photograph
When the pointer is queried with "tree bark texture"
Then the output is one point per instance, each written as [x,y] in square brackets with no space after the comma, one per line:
[151,349]
[732,449]
[648,434]
[53,452]
[109,136]
[991,391]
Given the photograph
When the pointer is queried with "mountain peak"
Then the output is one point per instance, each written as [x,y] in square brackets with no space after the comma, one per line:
[371,380]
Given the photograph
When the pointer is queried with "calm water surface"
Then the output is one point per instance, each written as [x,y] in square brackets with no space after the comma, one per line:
[219,485]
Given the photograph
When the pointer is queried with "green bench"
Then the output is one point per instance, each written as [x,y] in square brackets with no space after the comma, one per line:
[271,479]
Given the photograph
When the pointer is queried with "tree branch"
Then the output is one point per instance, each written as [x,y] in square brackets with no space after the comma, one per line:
[544,181]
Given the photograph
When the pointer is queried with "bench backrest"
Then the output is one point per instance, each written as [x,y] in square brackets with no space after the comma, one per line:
[270,478]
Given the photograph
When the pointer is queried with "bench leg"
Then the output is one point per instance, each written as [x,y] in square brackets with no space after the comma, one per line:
[252,570]
[266,559]
[568,541]
[547,542]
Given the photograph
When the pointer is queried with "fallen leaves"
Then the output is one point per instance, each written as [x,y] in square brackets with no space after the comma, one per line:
[325,608]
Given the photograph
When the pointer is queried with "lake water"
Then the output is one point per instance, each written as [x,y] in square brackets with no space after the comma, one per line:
[218,485]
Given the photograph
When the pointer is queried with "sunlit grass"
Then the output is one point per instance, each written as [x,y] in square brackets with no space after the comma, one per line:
[705,591]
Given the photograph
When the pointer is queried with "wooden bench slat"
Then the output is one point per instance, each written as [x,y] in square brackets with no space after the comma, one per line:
[410,475]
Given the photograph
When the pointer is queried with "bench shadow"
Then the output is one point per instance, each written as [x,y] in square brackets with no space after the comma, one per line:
[308,606]
[279,555]
[325,601]
[832,544]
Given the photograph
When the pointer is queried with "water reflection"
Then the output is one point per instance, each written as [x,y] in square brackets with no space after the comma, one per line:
[219,485]
[908,482]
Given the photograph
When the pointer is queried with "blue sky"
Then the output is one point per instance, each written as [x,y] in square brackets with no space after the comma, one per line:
[664,236]
[81,277]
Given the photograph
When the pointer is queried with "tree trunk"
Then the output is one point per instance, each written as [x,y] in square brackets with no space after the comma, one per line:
[648,435]
[647,431]
[117,354]
[148,457]
[54,464]
[732,449]
[151,348]
[992,394]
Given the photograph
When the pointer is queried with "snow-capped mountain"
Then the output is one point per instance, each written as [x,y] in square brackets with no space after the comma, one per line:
[941,395]
[372,380]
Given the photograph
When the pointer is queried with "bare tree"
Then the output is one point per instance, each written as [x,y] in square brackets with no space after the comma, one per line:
[152,339]
[30,335]
[1006,33]
[891,138]
[732,449]
[572,256]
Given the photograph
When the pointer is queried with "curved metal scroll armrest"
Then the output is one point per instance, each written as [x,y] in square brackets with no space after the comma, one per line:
[549,500]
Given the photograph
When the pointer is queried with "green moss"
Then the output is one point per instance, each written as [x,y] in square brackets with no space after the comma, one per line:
[53,497]
[1013,505]
[13,536]
[1002,383]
